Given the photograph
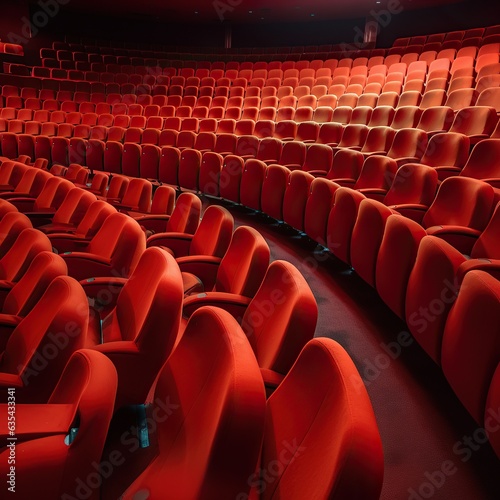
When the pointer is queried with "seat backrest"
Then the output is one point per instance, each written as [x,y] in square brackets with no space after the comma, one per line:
[29,289]
[295,198]
[244,264]
[163,200]
[281,317]
[38,349]
[74,207]
[467,364]
[11,225]
[138,195]
[94,217]
[214,233]
[186,214]
[151,296]
[88,383]
[447,149]
[413,184]
[325,379]
[122,241]
[487,245]
[461,201]
[17,259]
[378,172]
[117,187]
[483,161]
[226,393]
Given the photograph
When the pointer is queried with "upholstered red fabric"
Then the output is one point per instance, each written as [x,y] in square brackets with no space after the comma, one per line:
[367,236]
[226,394]
[341,221]
[212,236]
[395,260]
[141,330]
[11,226]
[113,251]
[468,361]
[492,405]
[316,459]
[83,398]
[185,217]
[38,349]
[17,259]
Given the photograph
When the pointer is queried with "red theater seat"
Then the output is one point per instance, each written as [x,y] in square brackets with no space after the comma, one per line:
[240,272]
[50,460]
[338,456]
[62,311]
[230,401]
[113,251]
[132,336]
[185,217]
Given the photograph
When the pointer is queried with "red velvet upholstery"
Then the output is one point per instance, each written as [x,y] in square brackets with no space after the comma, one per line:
[295,198]
[50,467]
[225,392]
[395,260]
[273,191]
[469,364]
[11,226]
[344,460]
[113,251]
[252,179]
[367,236]
[341,221]
[141,330]
[40,346]
[212,236]
[463,202]
[319,203]
[17,259]
[280,319]
[184,219]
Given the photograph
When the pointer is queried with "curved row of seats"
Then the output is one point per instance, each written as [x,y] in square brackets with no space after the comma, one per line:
[82,364]
[400,256]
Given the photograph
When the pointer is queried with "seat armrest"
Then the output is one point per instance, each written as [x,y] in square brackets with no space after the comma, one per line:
[373,193]
[460,237]
[103,291]
[491,266]
[85,265]
[271,380]
[179,243]
[64,242]
[23,204]
[205,267]
[34,421]
[155,223]
[236,305]
[414,212]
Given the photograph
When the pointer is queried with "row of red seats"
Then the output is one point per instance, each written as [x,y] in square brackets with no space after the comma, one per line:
[291,145]
[77,389]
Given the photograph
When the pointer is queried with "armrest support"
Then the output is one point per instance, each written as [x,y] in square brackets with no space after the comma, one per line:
[203,266]
[460,237]
[448,171]
[179,243]
[236,305]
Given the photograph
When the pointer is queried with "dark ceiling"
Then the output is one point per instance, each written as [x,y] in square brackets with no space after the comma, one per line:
[251,11]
